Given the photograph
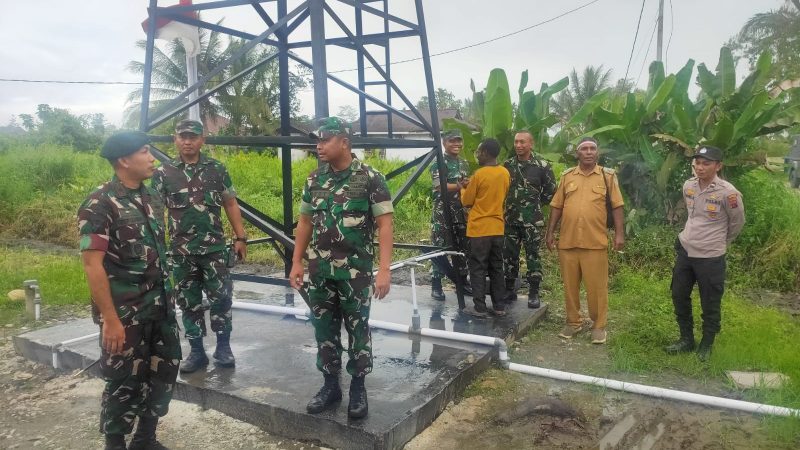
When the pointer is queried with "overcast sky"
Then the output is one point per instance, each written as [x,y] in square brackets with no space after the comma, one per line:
[93,40]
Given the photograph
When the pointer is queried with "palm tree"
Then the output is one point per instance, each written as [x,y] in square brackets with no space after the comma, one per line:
[776,31]
[249,103]
[168,76]
[581,88]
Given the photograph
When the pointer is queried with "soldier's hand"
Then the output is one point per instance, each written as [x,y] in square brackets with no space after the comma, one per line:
[113,336]
[382,282]
[241,250]
[296,276]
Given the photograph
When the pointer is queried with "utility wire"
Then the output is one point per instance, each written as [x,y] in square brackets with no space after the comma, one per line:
[635,36]
[497,38]
[21,80]
[477,44]
[671,29]
[644,62]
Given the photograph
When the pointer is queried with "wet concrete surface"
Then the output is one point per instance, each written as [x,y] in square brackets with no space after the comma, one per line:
[413,378]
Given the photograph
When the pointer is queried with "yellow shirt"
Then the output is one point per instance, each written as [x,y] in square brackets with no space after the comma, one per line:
[582,199]
[485,194]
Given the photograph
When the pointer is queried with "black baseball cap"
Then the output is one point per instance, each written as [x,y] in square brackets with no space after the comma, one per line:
[708,152]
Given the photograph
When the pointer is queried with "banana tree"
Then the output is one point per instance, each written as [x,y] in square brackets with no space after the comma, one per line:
[651,136]
[499,119]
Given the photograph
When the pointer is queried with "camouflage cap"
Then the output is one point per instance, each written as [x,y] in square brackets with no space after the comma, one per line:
[123,144]
[452,134]
[189,126]
[329,127]
[709,153]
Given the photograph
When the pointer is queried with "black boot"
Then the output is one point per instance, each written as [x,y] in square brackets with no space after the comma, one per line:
[684,344]
[436,289]
[223,356]
[115,442]
[511,291]
[704,349]
[197,357]
[533,293]
[358,406]
[329,394]
[145,436]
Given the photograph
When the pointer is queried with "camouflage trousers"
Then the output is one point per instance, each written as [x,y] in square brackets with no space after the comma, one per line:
[141,379]
[333,302]
[517,237]
[195,274]
[439,238]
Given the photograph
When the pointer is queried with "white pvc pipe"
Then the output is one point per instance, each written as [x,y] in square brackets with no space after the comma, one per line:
[389,326]
[272,309]
[657,392]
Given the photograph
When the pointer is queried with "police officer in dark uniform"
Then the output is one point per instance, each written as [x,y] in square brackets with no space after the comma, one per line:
[715,217]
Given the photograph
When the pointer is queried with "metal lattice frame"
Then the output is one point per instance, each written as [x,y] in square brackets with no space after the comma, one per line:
[278,33]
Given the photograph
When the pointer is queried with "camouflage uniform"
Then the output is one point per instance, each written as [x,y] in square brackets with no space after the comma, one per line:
[343,206]
[128,225]
[532,184]
[457,170]
[194,194]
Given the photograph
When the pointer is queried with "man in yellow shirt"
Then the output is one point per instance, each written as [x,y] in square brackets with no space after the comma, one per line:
[485,194]
[580,204]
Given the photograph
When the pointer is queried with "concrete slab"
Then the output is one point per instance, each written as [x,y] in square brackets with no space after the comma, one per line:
[412,381]
[750,380]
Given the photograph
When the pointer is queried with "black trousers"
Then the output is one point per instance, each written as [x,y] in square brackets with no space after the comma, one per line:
[486,255]
[709,274]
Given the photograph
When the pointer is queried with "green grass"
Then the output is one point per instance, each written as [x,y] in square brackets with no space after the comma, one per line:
[753,338]
[60,276]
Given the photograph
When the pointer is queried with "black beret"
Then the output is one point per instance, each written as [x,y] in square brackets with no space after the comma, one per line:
[123,144]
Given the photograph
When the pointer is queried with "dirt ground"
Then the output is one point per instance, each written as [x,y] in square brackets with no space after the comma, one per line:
[501,410]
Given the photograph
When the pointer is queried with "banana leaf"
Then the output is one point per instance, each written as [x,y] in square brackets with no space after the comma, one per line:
[588,108]
[660,95]
[726,72]
[498,109]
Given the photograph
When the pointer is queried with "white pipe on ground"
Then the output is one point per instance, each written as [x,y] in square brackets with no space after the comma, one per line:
[657,392]
[390,326]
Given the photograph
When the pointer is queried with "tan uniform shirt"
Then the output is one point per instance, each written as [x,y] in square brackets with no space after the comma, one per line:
[582,199]
[715,217]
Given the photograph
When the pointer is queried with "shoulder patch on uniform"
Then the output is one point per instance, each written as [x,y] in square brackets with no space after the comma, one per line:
[733,201]
[567,171]
[609,170]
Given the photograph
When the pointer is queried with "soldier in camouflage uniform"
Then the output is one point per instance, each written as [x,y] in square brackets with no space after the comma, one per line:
[342,203]
[532,184]
[121,226]
[195,189]
[457,178]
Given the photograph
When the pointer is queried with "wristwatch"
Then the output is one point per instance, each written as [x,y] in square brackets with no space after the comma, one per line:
[241,239]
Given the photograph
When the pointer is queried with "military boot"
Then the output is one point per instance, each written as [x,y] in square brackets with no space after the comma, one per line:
[197,356]
[684,344]
[115,442]
[511,291]
[223,356]
[145,436]
[704,349]
[329,394]
[358,406]
[533,293]
[436,289]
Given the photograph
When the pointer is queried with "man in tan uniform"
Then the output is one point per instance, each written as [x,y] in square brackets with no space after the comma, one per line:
[715,217]
[580,204]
